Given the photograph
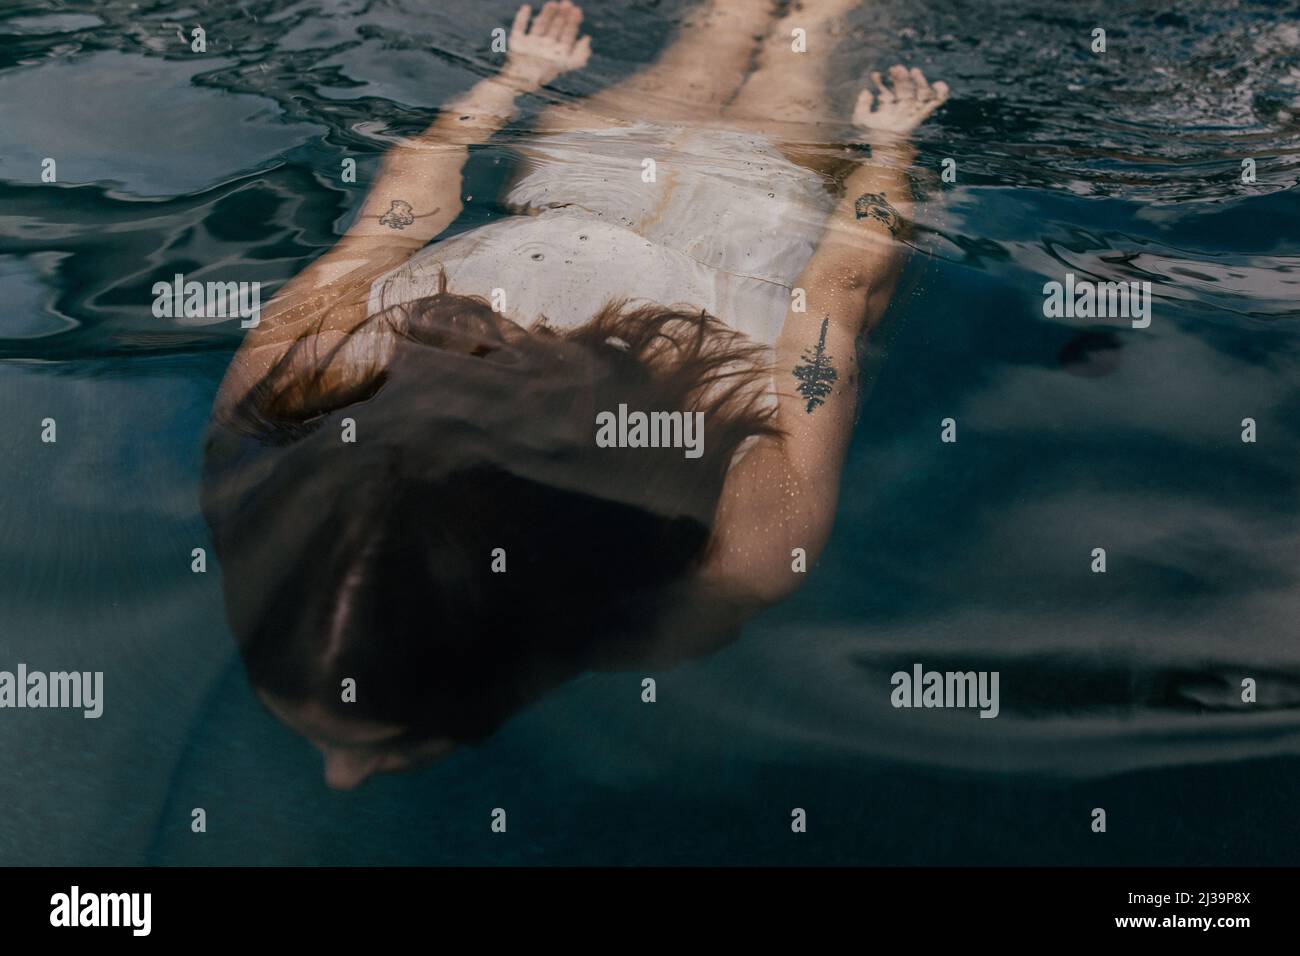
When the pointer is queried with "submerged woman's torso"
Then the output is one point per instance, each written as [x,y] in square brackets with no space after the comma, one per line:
[714,220]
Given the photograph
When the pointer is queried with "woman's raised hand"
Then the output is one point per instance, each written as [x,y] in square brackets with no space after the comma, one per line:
[536,56]
[900,110]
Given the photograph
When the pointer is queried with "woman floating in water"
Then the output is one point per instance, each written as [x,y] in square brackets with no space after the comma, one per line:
[444,478]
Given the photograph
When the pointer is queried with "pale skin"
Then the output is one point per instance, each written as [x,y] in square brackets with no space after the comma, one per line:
[782,494]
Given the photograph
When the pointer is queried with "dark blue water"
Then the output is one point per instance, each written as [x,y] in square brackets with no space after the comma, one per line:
[1118,690]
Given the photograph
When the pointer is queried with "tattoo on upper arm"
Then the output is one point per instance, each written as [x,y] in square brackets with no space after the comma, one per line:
[816,376]
[400,215]
[878,208]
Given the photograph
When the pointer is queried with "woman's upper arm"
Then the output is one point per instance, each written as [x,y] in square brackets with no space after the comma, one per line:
[327,299]
[779,500]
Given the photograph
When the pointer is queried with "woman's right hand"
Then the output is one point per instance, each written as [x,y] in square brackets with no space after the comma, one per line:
[536,57]
[900,110]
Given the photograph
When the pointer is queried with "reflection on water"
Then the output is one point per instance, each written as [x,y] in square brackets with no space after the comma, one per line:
[1072,435]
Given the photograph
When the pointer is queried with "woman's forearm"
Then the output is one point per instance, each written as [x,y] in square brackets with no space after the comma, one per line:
[417,192]
[885,175]
[863,234]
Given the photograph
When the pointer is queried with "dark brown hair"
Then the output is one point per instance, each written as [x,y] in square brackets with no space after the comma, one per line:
[373,559]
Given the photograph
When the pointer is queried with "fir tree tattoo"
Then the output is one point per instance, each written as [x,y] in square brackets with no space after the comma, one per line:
[816,376]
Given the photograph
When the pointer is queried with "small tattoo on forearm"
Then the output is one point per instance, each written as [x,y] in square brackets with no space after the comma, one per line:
[878,208]
[400,215]
[816,376]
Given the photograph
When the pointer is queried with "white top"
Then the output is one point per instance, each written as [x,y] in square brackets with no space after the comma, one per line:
[726,225]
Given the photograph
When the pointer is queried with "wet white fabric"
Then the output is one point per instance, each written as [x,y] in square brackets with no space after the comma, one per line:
[726,225]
